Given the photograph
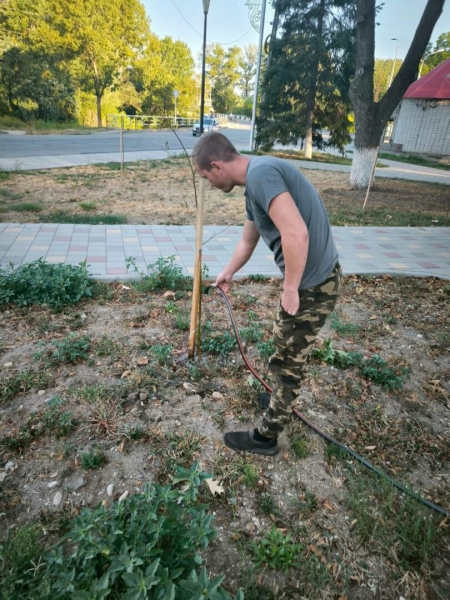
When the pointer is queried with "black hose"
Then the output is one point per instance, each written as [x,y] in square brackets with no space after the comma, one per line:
[314,427]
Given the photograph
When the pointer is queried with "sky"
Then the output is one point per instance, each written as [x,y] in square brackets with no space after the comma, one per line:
[228,23]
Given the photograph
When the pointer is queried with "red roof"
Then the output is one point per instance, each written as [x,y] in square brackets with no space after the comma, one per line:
[435,85]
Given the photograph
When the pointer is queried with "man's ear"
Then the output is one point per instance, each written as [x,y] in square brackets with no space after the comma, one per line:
[216,165]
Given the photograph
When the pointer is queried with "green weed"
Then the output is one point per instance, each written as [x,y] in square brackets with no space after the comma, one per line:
[265,349]
[161,353]
[22,382]
[257,277]
[276,550]
[219,342]
[164,275]
[300,448]
[69,350]
[93,459]
[342,327]
[267,505]
[39,282]
[253,333]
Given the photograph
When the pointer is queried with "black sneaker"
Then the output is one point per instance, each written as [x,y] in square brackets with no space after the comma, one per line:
[264,399]
[245,441]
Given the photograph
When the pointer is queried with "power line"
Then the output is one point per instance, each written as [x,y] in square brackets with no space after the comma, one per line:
[201,35]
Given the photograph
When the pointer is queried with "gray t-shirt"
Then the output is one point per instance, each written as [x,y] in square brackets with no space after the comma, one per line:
[267,177]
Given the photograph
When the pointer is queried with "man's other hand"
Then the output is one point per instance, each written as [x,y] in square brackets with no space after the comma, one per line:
[290,302]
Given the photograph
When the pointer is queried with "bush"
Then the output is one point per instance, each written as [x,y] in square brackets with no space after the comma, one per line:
[38,282]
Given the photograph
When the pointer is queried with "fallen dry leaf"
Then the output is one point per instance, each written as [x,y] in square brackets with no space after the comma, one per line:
[143,360]
[215,487]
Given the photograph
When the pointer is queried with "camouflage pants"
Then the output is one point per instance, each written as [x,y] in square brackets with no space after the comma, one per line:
[294,336]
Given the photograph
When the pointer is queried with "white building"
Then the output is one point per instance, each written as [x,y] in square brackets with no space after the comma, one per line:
[422,120]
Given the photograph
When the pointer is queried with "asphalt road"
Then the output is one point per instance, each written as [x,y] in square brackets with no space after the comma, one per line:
[105,142]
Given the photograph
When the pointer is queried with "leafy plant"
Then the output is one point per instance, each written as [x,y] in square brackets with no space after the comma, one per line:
[161,352]
[337,358]
[253,333]
[265,349]
[220,342]
[164,275]
[379,371]
[343,327]
[276,550]
[38,282]
[147,546]
[68,350]
[257,277]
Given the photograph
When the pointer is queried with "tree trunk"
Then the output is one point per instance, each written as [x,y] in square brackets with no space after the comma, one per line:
[371,117]
[311,99]
[99,110]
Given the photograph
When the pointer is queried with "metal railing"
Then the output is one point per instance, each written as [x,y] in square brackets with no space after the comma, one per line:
[138,122]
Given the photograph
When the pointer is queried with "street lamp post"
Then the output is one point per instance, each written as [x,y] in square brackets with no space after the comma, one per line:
[425,58]
[258,69]
[202,99]
[395,60]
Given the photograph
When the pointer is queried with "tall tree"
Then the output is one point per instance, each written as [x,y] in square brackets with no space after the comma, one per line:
[437,53]
[100,36]
[305,86]
[370,116]
[247,70]
[384,68]
[222,67]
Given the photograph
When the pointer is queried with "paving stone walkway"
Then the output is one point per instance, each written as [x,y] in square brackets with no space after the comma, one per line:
[418,251]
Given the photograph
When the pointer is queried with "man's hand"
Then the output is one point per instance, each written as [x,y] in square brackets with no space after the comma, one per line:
[290,302]
[223,281]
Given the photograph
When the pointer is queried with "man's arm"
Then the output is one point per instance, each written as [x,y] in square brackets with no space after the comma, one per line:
[294,242]
[242,253]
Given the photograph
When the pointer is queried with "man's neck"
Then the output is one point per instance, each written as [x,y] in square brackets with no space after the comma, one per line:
[240,170]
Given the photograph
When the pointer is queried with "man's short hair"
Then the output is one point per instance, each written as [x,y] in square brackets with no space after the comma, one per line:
[211,147]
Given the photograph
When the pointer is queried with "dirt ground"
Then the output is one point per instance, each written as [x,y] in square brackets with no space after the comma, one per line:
[162,192]
[134,400]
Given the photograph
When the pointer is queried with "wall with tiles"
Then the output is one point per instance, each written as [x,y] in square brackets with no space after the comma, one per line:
[423,126]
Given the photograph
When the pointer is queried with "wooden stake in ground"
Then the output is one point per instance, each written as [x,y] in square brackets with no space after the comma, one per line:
[371,178]
[121,143]
[197,290]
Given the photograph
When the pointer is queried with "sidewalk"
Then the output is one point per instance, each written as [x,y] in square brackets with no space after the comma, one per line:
[415,251]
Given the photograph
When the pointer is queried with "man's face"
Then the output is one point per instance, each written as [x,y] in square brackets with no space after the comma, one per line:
[217,176]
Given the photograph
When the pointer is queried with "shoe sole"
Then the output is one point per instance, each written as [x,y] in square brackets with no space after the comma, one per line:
[261,451]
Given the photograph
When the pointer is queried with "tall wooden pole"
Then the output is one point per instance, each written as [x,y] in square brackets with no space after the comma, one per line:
[197,290]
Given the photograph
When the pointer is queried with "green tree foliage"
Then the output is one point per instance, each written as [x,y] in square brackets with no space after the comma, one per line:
[305,87]
[384,68]
[247,70]
[101,36]
[34,86]
[437,53]
[166,65]
[222,68]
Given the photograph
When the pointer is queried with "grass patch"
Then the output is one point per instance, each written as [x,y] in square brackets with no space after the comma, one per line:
[415,160]
[25,207]
[87,206]
[102,219]
[377,217]
[386,519]
[21,383]
[5,193]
